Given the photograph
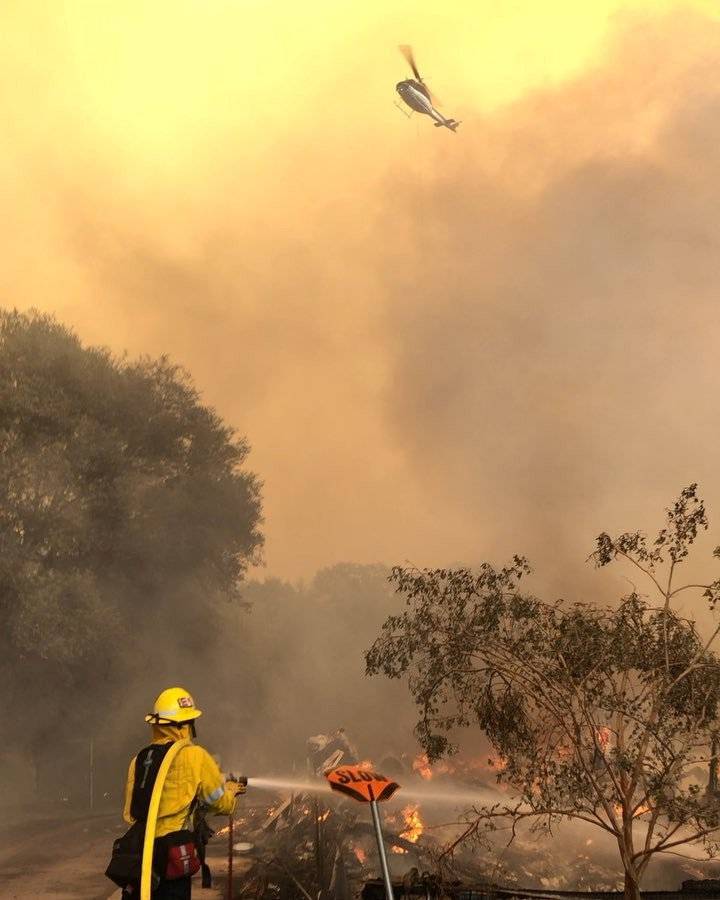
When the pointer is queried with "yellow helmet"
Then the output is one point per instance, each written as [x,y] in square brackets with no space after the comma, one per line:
[173,705]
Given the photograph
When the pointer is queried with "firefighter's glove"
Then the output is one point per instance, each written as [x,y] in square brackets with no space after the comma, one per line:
[237,782]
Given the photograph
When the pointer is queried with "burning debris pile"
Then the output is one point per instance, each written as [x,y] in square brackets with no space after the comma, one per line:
[302,848]
[316,846]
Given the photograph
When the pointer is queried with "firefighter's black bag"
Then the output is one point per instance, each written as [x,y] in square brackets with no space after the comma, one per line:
[125,865]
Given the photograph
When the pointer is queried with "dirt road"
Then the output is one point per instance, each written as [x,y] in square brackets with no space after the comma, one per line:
[65,857]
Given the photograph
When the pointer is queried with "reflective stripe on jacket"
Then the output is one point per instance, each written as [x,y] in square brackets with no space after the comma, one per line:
[192,772]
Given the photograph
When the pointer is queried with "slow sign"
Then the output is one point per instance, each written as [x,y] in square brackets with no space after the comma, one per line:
[361,783]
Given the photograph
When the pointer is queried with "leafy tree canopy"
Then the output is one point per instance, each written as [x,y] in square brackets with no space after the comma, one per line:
[599,714]
[126,511]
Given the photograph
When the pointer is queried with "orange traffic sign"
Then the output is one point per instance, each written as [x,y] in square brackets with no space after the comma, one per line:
[361,783]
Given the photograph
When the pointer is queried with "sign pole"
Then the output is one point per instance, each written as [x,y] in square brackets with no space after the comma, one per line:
[381,850]
[319,849]
[231,829]
[91,775]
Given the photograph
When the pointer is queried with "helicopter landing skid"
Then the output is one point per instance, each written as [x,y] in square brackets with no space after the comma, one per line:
[408,115]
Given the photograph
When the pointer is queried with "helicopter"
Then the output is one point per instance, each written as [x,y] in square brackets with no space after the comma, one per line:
[416,94]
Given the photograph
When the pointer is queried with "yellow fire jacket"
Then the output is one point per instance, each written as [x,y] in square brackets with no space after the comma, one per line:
[192,773]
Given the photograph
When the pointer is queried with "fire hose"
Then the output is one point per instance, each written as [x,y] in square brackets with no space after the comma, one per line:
[151,824]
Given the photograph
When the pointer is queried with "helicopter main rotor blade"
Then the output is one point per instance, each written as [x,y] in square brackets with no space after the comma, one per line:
[407,52]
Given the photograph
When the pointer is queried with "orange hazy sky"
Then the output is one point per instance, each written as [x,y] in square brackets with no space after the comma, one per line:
[440,347]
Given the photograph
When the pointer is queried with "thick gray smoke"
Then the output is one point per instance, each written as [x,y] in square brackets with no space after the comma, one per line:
[440,346]
[552,305]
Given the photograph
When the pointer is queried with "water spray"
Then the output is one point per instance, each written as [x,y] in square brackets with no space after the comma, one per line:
[420,792]
[287,784]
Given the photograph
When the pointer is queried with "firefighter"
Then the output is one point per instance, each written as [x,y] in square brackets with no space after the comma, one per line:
[193,780]
[328,750]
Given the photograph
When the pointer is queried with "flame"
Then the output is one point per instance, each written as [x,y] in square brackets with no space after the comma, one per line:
[323,816]
[640,811]
[602,736]
[360,854]
[222,831]
[459,766]
[421,765]
[396,849]
[498,763]
[414,824]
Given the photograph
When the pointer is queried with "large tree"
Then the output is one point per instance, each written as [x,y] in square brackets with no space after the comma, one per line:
[604,715]
[126,516]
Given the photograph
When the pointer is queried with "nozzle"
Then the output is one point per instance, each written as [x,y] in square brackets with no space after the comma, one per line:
[237,779]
